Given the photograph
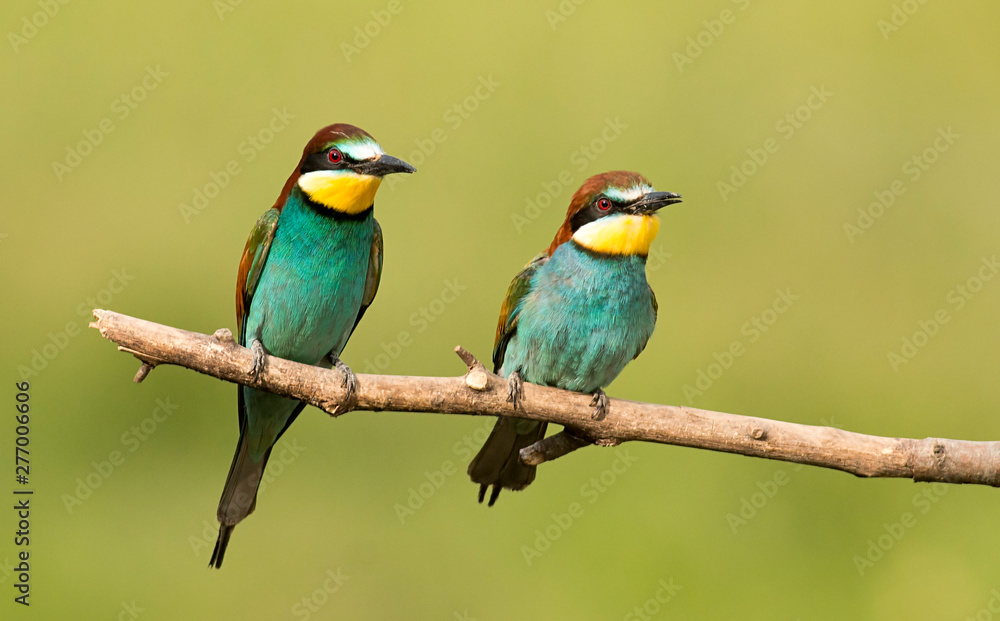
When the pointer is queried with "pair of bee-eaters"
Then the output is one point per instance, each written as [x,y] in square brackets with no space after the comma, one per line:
[572,318]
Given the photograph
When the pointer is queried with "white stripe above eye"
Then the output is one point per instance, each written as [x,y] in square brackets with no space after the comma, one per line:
[626,195]
[362,150]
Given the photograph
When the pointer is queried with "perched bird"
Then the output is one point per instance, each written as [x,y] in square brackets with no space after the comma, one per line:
[575,315]
[310,269]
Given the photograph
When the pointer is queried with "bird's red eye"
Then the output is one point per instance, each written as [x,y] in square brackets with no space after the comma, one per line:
[604,204]
[335,156]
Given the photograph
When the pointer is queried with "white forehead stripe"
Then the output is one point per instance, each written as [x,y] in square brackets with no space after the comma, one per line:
[362,150]
[626,195]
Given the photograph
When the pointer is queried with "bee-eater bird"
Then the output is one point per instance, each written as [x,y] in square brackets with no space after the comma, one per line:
[310,269]
[575,315]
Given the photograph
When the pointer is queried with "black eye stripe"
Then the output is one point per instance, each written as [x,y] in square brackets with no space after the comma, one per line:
[321,161]
[592,212]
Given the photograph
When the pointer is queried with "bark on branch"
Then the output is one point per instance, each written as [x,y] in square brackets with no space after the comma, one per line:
[480,392]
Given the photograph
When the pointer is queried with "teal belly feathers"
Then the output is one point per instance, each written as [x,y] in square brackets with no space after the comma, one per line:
[586,317]
[306,303]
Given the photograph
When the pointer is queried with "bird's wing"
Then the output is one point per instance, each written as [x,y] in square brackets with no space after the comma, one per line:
[656,311]
[511,308]
[251,266]
[374,273]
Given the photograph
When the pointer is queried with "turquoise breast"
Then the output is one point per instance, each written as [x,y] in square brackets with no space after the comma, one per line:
[586,317]
[306,302]
[311,288]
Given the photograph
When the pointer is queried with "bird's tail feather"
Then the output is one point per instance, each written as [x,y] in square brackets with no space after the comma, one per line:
[498,463]
[225,532]
[239,497]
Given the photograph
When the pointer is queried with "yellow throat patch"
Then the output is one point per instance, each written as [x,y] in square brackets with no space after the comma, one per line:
[624,235]
[348,193]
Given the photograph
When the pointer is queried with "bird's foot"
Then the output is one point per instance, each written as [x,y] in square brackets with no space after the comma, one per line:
[257,366]
[600,403]
[350,383]
[514,383]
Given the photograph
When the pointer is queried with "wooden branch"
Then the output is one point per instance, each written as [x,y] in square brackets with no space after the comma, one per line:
[552,447]
[480,392]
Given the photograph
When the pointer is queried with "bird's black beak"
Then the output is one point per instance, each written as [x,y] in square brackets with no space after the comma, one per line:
[384,165]
[653,201]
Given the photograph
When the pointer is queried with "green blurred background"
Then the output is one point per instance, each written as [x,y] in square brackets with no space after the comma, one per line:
[689,88]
